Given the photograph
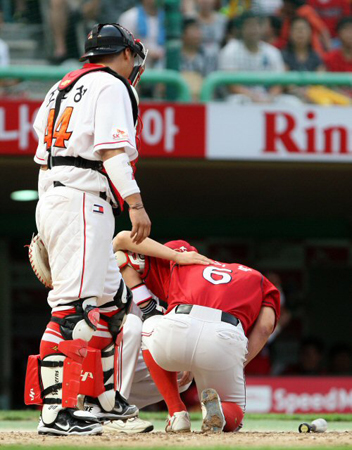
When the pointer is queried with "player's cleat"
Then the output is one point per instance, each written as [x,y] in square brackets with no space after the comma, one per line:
[71,422]
[121,411]
[213,416]
[130,426]
[180,422]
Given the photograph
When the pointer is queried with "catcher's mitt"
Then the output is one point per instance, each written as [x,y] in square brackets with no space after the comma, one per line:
[39,260]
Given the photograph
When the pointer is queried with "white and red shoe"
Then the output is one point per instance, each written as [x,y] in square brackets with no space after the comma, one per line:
[130,426]
[180,422]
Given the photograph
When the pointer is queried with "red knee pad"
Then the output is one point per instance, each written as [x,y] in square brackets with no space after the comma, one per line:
[75,352]
[92,378]
[71,383]
[233,415]
[75,349]
[32,389]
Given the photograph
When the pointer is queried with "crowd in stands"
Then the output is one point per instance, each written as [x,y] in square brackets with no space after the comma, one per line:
[228,35]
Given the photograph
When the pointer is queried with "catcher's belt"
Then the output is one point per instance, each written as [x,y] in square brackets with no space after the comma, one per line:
[76,161]
[225,317]
[102,195]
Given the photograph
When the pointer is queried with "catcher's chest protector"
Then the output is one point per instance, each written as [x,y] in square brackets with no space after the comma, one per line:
[71,79]
[66,84]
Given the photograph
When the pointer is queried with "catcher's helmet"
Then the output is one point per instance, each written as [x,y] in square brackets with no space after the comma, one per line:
[110,38]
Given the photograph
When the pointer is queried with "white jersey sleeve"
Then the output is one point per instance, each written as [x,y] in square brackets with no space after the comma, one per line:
[114,127]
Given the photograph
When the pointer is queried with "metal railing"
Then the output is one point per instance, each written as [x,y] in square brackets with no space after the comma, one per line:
[216,79]
[170,78]
[174,80]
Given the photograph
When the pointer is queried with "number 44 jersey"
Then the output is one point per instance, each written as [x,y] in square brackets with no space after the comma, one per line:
[96,114]
[232,288]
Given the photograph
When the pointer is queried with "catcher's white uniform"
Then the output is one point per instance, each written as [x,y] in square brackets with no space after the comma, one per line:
[75,223]
[89,112]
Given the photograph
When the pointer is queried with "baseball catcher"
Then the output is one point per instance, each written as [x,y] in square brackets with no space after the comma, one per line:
[87,153]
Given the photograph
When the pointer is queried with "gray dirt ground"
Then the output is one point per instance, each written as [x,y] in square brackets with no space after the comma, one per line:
[194,439]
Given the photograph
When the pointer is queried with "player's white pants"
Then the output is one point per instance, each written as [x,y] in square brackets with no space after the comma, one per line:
[214,351]
[134,380]
[77,229]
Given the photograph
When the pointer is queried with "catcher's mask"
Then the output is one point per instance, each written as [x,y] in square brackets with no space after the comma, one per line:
[112,38]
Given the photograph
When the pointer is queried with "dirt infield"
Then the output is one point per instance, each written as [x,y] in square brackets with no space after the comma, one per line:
[194,439]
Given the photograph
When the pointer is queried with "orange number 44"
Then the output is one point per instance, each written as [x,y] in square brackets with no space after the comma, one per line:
[60,133]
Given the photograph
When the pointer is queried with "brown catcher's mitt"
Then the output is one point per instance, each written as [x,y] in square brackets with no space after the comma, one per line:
[38,257]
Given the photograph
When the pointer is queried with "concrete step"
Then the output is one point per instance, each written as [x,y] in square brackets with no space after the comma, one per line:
[32,62]
[19,31]
[23,50]
[23,40]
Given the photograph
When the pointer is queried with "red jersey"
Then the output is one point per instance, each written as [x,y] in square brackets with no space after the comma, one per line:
[336,62]
[232,288]
[331,11]
[318,27]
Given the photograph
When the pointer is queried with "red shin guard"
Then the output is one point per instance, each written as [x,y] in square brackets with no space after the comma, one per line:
[166,382]
[233,415]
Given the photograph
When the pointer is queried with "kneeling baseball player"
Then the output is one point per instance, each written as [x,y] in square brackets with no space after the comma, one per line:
[219,317]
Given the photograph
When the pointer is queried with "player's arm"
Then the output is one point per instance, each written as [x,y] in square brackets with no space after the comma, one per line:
[149,247]
[261,332]
[114,141]
[118,167]
[131,277]
[142,297]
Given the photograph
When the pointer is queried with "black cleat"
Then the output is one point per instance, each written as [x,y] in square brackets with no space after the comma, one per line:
[121,411]
[71,422]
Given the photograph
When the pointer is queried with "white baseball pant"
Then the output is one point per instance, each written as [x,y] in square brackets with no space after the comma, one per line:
[134,380]
[77,229]
[214,351]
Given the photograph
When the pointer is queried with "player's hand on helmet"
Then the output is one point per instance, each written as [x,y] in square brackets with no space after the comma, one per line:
[187,378]
[140,225]
[186,258]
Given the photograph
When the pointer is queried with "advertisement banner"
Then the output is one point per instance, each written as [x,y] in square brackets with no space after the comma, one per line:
[279,133]
[291,395]
[169,130]
[173,130]
[17,137]
[215,131]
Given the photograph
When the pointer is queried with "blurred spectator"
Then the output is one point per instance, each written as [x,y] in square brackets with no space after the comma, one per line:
[340,360]
[196,62]
[64,16]
[235,8]
[111,10]
[20,9]
[213,24]
[147,22]
[299,54]
[331,11]
[310,359]
[23,11]
[194,58]
[232,31]
[250,54]
[340,59]
[320,34]
[4,48]
[266,7]
[271,30]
